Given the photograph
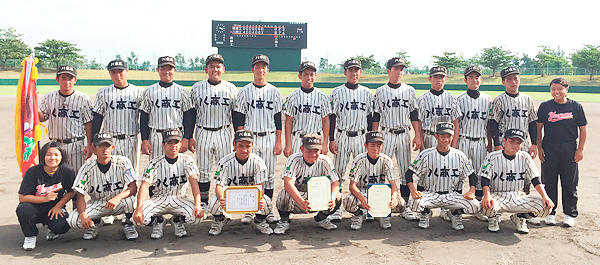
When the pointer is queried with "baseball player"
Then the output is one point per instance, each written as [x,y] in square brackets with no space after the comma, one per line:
[164,106]
[503,175]
[561,119]
[240,168]
[213,100]
[306,110]
[110,181]
[309,162]
[258,109]
[166,180]
[395,110]
[69,117]
[371,167]
[475,107]
[441,171]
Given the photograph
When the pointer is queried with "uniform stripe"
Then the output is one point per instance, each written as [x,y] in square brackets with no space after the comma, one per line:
[307,109]
[508,175]
[435,109]
[441,173]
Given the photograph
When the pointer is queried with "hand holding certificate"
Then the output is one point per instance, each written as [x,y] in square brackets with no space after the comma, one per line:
[242,199]
[319,193]
[379,197]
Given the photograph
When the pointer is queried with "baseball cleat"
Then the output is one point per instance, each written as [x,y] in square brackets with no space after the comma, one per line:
[481,217]
[385,222]
[533,221]
[263,227]
[445,214]
[90,233]
[49,234]
[29,243]
[493,225]
[424,220]
[336,216]
[109,219]
[130,231]
[457,222]
[216,227]
[282,226]
[271,218]
[325,223]
[569,221]
[408,215]
[158,230]
[246,219]
[179,228]
[550,220]
[357,221]
[520,224]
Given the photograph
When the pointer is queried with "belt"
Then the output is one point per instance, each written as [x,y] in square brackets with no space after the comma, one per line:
[163,130]
[70,140]
[262,133]
[428,132]
[395,131]
[214,129]
[446,192]
[302,134]
[472,138]
[352,133]
[122,136]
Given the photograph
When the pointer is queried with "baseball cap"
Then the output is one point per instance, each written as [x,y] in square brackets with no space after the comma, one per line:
[509,70]
[514,133]
[214,57]
[352,63]
[117,64]
[243,135]
[306,65]
[101,138]
[312,141]
[374,136]
[166,60]
[66,69]
[260,58]
[444,128]
[396,61]
[472,69]
[438,70]
[172,134]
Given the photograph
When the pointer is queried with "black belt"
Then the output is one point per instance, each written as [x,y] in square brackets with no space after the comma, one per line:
[445,192]
[473,138]
[214,129]
[395,131]
[262,133]
[302,134]
[428,132]
[70,140]
[122,136]
[352,133]
[163,130]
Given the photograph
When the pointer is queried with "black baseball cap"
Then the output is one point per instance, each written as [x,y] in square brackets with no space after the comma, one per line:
[514,133]
[444,128]
[66,69]
[396,61]
[312,141]
[472,69]
[243,135]
[352,63]
[509,70]
[260,58]
[214,57]
[374,136]
[117,64]
[438,70]
[166,60]
[306,65]
[101,138]
[172,134]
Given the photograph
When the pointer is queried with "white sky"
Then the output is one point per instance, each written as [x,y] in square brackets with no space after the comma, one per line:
[336,29]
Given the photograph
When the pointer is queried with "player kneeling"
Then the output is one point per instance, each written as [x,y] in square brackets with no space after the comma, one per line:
[110,181]
[240,168]
[309,162]
[166,180]
[503,175]
[441,171]
[371,167]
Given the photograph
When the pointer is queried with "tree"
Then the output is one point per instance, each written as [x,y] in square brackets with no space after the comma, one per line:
[324,65]
[11,46]
[526,62]
[495,58]
[56,52]
[588,57]
[450,60]
[94,65]
[145,66]
[132,60]
[118,56]
[369,64]
[402,54]
[548,58]
[180,60]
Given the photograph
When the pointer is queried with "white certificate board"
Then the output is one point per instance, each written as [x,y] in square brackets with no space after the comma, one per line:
[242,199]
[319,192]
[379,197]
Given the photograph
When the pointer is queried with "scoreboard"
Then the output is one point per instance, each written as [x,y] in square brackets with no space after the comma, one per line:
[256,34]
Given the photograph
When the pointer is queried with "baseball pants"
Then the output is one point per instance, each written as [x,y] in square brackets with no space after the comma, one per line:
[512,202]
[30,214]
[398,145]
[451,201]
[525,148]
[352,204]
[214,206]
[97,209]
[74,154]
[429,140]
[130,148]
[347,146]
[297,141]
[476,151]
[155,140]
[211,146]
[263,147]
[286,203]
[157,206]
[559,161]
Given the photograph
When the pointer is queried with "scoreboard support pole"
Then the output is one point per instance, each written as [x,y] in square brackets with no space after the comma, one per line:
[239,59]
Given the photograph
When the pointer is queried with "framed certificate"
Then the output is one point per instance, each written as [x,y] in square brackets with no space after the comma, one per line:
[242,199]
[378,197]
[319,192]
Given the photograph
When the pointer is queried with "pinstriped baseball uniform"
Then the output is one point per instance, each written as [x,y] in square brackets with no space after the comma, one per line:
[230,172]
[442,177]
[260,105]
[101,187]
[351,107]
[395,105]
[297,169]
[434,109]
[119,107]
[213,105]
[507,177]
[67,116]
[307,110]
[514,113]
[168,188]
[165,107]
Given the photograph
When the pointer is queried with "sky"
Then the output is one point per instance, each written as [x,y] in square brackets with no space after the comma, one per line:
[336,30]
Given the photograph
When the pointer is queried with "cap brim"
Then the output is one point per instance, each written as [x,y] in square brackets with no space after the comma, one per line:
[163,64]
[397,64]
[375,140]
[515,136]
[170,138]
[445,131]
[65,72]
[514,72]
[118,68]
[351,66]
[241,139]
[472,71]
[313,146]
[215,59]
[308,67]
[259,62]
[438,73]
[103,141]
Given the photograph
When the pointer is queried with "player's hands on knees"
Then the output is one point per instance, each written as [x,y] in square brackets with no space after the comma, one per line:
[287,151]
[87,151]
[277,149]
[192,145]
[487,202]
[578,155]
[416,194]
[533,151]
[222,202]
[469,195]
[198,212]
[184,145]
[112,203]
[146,148]
[306,206]
[333,147]
[86,221]
[138,216]
[55,212]
[547,202]
[417,144]
[499,147]
[51,196]
[542,154]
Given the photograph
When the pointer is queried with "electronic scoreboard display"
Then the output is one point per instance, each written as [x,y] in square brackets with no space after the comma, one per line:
[256,34]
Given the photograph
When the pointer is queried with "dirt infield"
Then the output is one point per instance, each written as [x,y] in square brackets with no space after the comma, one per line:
[303,244]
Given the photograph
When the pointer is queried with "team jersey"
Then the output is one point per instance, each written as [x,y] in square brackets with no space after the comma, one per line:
[230,172]
[297,169]
[165,105]
[104,186]
[508,174]
[363,172]
[351,107]
[395,105]
[441,173]
[213,103]
[434,109]
[475,113]
[307,109]
[119,107]
[259,104]
[561,121]
[67,115]
[168,179]
[513,112]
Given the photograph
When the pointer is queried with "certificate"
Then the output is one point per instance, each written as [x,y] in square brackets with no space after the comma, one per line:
[379,197]
[319,193]
[242,199]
